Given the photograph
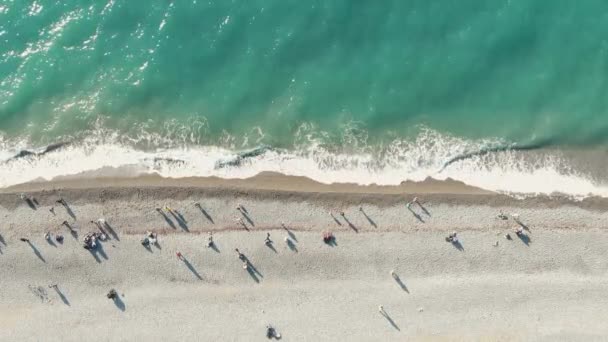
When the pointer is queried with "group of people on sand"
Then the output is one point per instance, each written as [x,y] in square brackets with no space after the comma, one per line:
[519,229]
[91,241]
[149,239]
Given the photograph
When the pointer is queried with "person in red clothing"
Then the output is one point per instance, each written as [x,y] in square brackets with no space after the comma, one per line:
[179,256]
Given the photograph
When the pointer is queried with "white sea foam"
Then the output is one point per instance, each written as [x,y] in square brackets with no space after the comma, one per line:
[415,160]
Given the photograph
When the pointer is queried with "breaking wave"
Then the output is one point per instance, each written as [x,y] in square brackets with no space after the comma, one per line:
[492,165]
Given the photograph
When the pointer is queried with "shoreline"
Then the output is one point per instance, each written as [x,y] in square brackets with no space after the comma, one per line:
[262,181]
[276,185]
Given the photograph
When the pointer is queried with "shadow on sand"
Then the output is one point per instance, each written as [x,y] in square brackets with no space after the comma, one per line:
[180,220]
[424,209]
[64,299]
[111,231]
[98,251]
[369,219]
[31,204]
[167,219]
[291,234]
[350,224]
[416,215]
[68,209]
[292,246]
[119,303]
[73,231]
[271,246]
[525,239]
[458,245]
[390,320]
[36,251]
[51,242]
[523,225]
[192,269]
[335,219]
[205,213]
[246,216]
[401,283]
[253,272]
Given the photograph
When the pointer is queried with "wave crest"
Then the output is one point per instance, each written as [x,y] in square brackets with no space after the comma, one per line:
[178,152]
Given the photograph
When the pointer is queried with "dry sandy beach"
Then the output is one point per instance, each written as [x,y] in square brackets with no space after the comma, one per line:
[549,286]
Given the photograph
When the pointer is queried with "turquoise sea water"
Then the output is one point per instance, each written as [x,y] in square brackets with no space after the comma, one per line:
[350,75]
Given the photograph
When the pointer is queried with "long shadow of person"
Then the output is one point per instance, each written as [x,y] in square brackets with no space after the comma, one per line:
[401,283]
[290,233]
[416,215]
[252,274]
[524,238]
[335,219]
[167,219]
[292,246]
[251,267]
[369,219]
[111,231]
[424,209]
[64,299]
[458,245]
[36,251]
[94,254]
[51,242]
[180,220]
[181,217]
[350,224]
[192,269]
[523,225]
[119,303]
[206,214]
[101,251]
[390,320]
[271,246]
[31,204]
[73,231]
[68,209]
[246,216]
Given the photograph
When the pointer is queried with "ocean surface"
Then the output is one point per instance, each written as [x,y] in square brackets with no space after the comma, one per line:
[508,95]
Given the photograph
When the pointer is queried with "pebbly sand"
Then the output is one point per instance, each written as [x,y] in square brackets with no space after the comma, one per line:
[549,286]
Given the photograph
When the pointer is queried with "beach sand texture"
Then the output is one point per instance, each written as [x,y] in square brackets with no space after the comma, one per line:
[549,286]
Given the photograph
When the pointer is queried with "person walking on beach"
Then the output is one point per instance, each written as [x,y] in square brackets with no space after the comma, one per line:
[210,239]
[267,241]
[180,256]
[381,310]
[241,255]
[24,240]
[67,224]
[453,238]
